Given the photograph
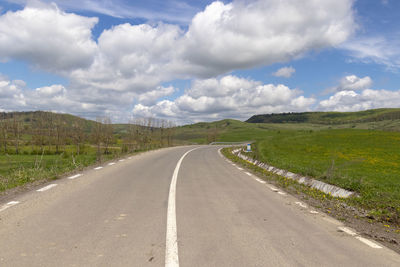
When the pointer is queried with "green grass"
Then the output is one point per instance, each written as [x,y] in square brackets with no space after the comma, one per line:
[16,170]
[364,161]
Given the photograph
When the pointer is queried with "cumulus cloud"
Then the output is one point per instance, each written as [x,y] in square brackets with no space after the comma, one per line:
[366,99]
[229,96]
[131,58]
[15,96]
[285,72]
[351,83]
[244,34]
[11,96]
[129,62]
[354,94]
[150,98]
[47,38]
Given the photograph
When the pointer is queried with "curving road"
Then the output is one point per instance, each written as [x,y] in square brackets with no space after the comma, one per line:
[130,214]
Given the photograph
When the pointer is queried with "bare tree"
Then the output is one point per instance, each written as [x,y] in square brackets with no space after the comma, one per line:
[97,136]
[4,129]
[78,135]
[16,129]
[170,132]
[108,134]
[39,130]
[162,125]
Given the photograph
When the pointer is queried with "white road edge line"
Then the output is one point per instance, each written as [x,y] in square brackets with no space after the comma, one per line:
[273,188]
[368,242]
[281,193]
[301,204]
[98,168]
[171,244]
[121,160]
[249,174]
[46,187]
[75,176]
[260,181]
[240,169]
[347,231]
[111,163]
[360,238]
[9,204]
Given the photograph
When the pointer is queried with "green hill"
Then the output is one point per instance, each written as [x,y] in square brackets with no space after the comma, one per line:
[372,115]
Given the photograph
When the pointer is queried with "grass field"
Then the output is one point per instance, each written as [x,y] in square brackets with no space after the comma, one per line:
[364,161]
[16,170]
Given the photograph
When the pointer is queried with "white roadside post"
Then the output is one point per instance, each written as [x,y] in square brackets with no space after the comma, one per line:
[248,148]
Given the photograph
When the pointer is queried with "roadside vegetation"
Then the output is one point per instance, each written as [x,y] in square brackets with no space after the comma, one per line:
[363,161]
[43,145]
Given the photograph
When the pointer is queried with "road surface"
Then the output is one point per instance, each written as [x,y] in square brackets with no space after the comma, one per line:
[128,213]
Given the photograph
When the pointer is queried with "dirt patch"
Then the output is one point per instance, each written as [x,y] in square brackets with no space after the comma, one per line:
[387,235]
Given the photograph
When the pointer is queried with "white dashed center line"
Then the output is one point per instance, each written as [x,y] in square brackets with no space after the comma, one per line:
[46,187]
[111,163]
[98,168]
[121,160]
[249,174]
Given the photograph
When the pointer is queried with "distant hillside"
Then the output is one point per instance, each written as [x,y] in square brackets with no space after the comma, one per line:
[372,115]
[32,117]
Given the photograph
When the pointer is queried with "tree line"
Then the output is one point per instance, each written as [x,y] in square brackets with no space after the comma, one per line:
[51,133]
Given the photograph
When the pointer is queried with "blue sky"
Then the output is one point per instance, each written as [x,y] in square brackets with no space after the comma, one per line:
[190,61]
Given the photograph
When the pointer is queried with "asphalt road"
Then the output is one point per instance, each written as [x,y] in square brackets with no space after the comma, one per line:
[129,214]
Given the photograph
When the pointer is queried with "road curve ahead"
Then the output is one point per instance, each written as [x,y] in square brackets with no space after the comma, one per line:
[173,208]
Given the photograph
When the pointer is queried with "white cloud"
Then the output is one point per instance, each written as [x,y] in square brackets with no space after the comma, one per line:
[366,99]
[354,83]
[165,10]
[379,50]
[131,58]
[244,34]
[350,83]
[285,72]
[129,62]
[47,38]
[150,98]
[227,97]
